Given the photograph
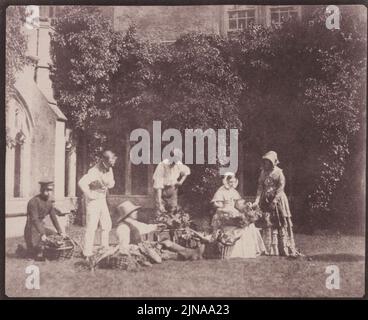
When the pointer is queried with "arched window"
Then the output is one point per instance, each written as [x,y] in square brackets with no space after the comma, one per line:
[18,151]
[17,170]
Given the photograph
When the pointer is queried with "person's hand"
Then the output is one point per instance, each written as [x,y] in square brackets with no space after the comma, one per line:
[161,226]
[43,238]
[177,185]
[274,202]
[63,234]
[161,208]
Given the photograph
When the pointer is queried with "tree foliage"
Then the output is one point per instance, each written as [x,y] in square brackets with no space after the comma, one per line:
[298,89]
[85,57]
[16,46]
[304,97]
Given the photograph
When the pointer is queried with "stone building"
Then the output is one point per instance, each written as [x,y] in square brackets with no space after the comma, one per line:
[38,145]
[166,23]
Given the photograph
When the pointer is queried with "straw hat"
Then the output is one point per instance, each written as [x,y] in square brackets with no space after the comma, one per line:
[125,209]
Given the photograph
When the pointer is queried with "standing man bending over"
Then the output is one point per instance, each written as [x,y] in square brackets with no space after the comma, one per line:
[168,176]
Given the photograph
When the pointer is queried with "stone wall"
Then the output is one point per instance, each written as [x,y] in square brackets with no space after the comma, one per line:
[166,23]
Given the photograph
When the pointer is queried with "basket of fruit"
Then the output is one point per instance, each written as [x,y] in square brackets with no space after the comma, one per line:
[225,243]
[57,247]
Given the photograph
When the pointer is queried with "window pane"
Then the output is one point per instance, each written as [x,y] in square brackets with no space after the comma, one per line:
[241,23]
[241,14]
[293,15]
[251,13]
[274,17]
[17,170]
[44,11]
[232,24]
[284,16]
[66,173]
[250,21]
[232,15]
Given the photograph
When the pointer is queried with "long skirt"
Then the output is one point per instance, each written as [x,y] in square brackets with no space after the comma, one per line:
[278,235]
[250,244]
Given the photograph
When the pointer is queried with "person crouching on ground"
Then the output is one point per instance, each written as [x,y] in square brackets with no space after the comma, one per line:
[94,185]
[35,231]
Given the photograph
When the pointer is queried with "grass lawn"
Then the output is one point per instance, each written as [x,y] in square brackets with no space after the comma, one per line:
[261,277]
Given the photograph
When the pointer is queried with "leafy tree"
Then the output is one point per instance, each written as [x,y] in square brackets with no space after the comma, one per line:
[298,89]
[304,98]
[84,55]
[16,46]
[187,84]
[200,91]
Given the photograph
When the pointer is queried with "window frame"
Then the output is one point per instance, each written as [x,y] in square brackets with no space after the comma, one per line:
[279,10]
[238,18]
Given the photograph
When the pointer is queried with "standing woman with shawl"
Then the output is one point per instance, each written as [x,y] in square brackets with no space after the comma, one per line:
[278,233]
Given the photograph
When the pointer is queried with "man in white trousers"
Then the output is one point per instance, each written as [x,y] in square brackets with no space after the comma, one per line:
[94,185]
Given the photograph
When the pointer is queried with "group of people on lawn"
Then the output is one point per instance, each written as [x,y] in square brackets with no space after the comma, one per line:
[276,237]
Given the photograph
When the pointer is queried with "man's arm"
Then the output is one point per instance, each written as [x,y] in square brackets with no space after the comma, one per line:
[159,203]
[143,228]
[32,210]
[85,181]
[185,172]
[55,220]
[111,180]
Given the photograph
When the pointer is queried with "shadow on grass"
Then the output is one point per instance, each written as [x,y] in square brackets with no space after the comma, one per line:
[340,257]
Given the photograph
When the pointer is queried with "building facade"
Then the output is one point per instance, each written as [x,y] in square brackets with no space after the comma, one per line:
[166,23]
[38,145]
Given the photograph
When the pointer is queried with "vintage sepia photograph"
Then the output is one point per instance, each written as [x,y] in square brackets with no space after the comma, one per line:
[196,151]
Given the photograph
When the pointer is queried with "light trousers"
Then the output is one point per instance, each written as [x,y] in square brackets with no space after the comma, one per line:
[97,213]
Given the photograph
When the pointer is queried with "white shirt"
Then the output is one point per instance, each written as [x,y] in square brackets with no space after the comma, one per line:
[166,175]
[95,182]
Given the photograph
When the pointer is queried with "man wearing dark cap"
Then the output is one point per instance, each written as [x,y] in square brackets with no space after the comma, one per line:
[38,208]
[94,185]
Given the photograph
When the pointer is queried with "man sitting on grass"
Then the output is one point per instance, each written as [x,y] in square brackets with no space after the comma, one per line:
[130,231]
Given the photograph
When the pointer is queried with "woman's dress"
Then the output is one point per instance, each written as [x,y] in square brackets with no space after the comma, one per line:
[278,234]
[250,243]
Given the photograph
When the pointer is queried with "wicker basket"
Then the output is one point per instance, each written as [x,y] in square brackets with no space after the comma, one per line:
[56,253]
[178,237]
[225,250]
